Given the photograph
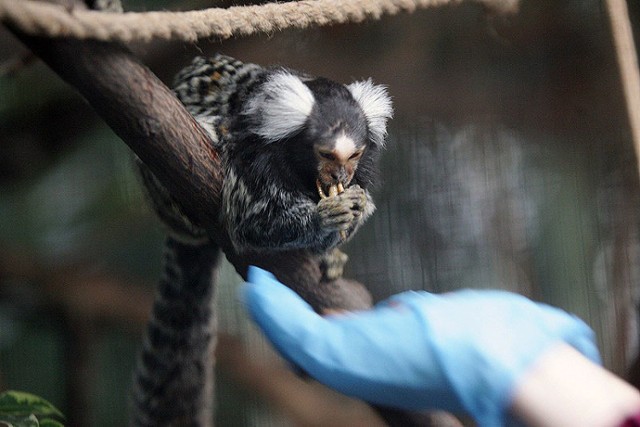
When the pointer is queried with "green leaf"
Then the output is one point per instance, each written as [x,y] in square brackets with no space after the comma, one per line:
[19,403]
[18,421]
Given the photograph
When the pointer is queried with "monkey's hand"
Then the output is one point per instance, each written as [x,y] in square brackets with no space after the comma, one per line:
[344,211]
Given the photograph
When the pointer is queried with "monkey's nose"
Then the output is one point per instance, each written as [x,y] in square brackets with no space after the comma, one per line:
[340,175]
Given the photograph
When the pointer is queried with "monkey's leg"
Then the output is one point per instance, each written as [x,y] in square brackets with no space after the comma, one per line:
[174,377]
[332,264]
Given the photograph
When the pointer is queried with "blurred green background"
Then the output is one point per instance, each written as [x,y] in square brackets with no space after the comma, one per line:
[509,165]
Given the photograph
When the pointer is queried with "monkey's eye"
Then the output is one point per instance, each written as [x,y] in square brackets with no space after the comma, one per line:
[327,155]
[356,155]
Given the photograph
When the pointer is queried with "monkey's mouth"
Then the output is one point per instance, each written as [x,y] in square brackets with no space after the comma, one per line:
[331,191]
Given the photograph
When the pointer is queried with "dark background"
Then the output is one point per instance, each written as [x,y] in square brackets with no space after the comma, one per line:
[509,165]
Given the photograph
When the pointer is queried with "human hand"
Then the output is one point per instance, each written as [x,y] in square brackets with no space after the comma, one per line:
[461,352]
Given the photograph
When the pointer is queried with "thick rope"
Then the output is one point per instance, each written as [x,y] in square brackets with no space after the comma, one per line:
[46,19]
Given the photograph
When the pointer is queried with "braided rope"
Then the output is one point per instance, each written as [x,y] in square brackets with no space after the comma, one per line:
[51,20]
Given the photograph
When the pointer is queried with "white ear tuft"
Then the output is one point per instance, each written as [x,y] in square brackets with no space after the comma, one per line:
[281,106]
[376,104]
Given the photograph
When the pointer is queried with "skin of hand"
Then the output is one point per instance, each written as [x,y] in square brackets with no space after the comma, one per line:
[463,352]
[563,388]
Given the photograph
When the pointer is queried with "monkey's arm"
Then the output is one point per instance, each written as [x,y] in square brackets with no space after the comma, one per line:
[283,220]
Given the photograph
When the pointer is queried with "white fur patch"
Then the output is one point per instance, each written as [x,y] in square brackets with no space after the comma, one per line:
[281,107]
[376,104]
[344,148]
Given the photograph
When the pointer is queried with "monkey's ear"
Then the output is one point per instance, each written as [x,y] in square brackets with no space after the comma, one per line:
[376,105]
[280,107]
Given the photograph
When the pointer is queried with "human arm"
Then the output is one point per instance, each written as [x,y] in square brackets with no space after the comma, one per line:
[466,351]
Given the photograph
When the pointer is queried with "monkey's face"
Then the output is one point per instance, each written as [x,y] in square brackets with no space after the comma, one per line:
[324,128]
[337,163]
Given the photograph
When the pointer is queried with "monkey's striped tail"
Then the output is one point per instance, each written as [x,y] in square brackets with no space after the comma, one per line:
[173,383]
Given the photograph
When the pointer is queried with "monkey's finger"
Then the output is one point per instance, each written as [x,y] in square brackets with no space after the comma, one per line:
[357,203]
[339,222]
